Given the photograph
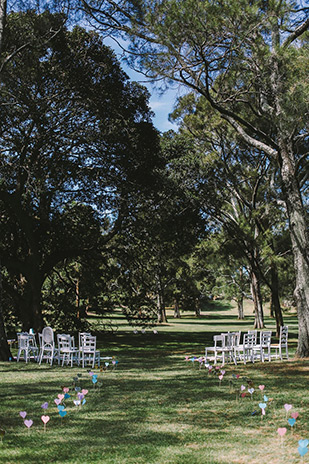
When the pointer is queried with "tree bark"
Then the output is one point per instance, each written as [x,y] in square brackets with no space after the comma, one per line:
[161,309]
[275,300]
[176,310]
[257,301]
[240,307]
[197,307]
[3,9]
[300,244]
[160,301]
[5,352]
[31,313]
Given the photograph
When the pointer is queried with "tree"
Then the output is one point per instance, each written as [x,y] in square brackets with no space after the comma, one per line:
[249,60]
[77,148]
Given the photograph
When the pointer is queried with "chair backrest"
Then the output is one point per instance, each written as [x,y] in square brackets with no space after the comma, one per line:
[249,339]
[236,337]
[48,336]
[265,337]
[229,339]
[88,343]
[64,341]
[23,341]
[80,336]
[218,340]
[254,333]
[283,339]
[72,342]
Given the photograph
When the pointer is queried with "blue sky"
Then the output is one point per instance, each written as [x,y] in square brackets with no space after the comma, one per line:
[160,103]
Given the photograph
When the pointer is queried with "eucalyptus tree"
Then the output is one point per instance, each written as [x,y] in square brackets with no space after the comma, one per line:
[249,60]
[77,148]
[231,183]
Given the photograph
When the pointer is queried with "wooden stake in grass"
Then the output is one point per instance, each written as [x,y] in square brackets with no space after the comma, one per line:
[2,433]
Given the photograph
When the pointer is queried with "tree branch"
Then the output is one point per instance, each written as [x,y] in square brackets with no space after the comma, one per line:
[251,140]
[297,33]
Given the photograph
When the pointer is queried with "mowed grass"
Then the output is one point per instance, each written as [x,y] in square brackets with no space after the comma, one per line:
[155,407]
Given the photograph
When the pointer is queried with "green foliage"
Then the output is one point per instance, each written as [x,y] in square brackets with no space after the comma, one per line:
[77,147]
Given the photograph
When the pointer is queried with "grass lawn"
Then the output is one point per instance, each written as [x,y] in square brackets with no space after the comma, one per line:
[155,407]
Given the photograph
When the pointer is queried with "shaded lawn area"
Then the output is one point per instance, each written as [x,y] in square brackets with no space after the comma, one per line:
[156,407]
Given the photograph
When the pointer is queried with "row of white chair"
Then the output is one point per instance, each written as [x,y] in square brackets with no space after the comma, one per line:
[228,347]
[65,352]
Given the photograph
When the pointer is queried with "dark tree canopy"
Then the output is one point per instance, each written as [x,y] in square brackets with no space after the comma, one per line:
[77,148]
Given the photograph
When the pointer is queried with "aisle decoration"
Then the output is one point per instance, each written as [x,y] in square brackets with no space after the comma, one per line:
[45,419]
[303,447]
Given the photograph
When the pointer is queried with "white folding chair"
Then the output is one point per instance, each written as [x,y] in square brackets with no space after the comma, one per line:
[48,350]
[88,353]
[282,346]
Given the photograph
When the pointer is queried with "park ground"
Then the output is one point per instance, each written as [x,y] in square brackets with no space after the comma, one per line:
[154,407]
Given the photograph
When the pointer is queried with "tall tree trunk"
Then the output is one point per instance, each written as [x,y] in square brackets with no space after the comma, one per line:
[176,310]
[257,301]
[161,309]
[77,298]
[275,300]
[3,9]
[240,307]
[160,301]
[197,307]
[300,244]
[31,314]
[5,352]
